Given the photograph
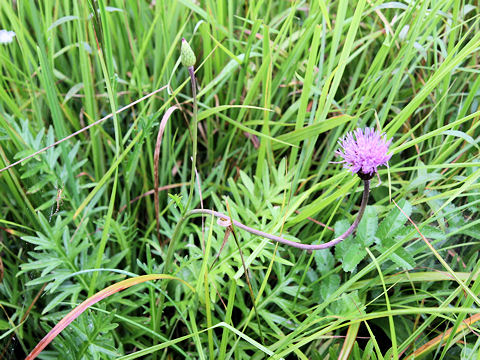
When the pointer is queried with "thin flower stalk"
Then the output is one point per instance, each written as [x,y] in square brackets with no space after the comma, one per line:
[188,59]
[225,219]
[363,151]
[193,80]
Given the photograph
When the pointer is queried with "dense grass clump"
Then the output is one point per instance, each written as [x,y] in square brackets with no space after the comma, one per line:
[107,155]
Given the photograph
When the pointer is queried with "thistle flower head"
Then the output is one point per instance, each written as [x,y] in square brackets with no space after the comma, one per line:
[187,55]
[363,151]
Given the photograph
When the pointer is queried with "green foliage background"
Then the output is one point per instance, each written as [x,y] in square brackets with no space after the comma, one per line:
[279,83]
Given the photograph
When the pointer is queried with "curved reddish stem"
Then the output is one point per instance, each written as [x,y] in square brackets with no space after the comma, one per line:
[350,230]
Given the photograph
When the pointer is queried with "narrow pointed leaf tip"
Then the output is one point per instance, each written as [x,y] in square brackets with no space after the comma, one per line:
[187,55]
[363,151]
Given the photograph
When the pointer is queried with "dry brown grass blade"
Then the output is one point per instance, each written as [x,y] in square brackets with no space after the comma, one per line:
[79,309]
[442,337]
[228,230]
[349,342]
[156,156]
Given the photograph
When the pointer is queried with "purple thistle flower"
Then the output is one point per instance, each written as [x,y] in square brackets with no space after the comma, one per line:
[363,153]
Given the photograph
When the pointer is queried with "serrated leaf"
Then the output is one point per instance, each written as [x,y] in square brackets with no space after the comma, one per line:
[403,259]
[368,227]
[432,232]
[329,285]
[347,303]
[349,251]
[394,220]
[400,257]
[352,257]
[340,249]
[324,260]
[402,232]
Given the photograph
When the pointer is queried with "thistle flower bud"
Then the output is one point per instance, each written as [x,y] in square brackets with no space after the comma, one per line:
[187,56]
